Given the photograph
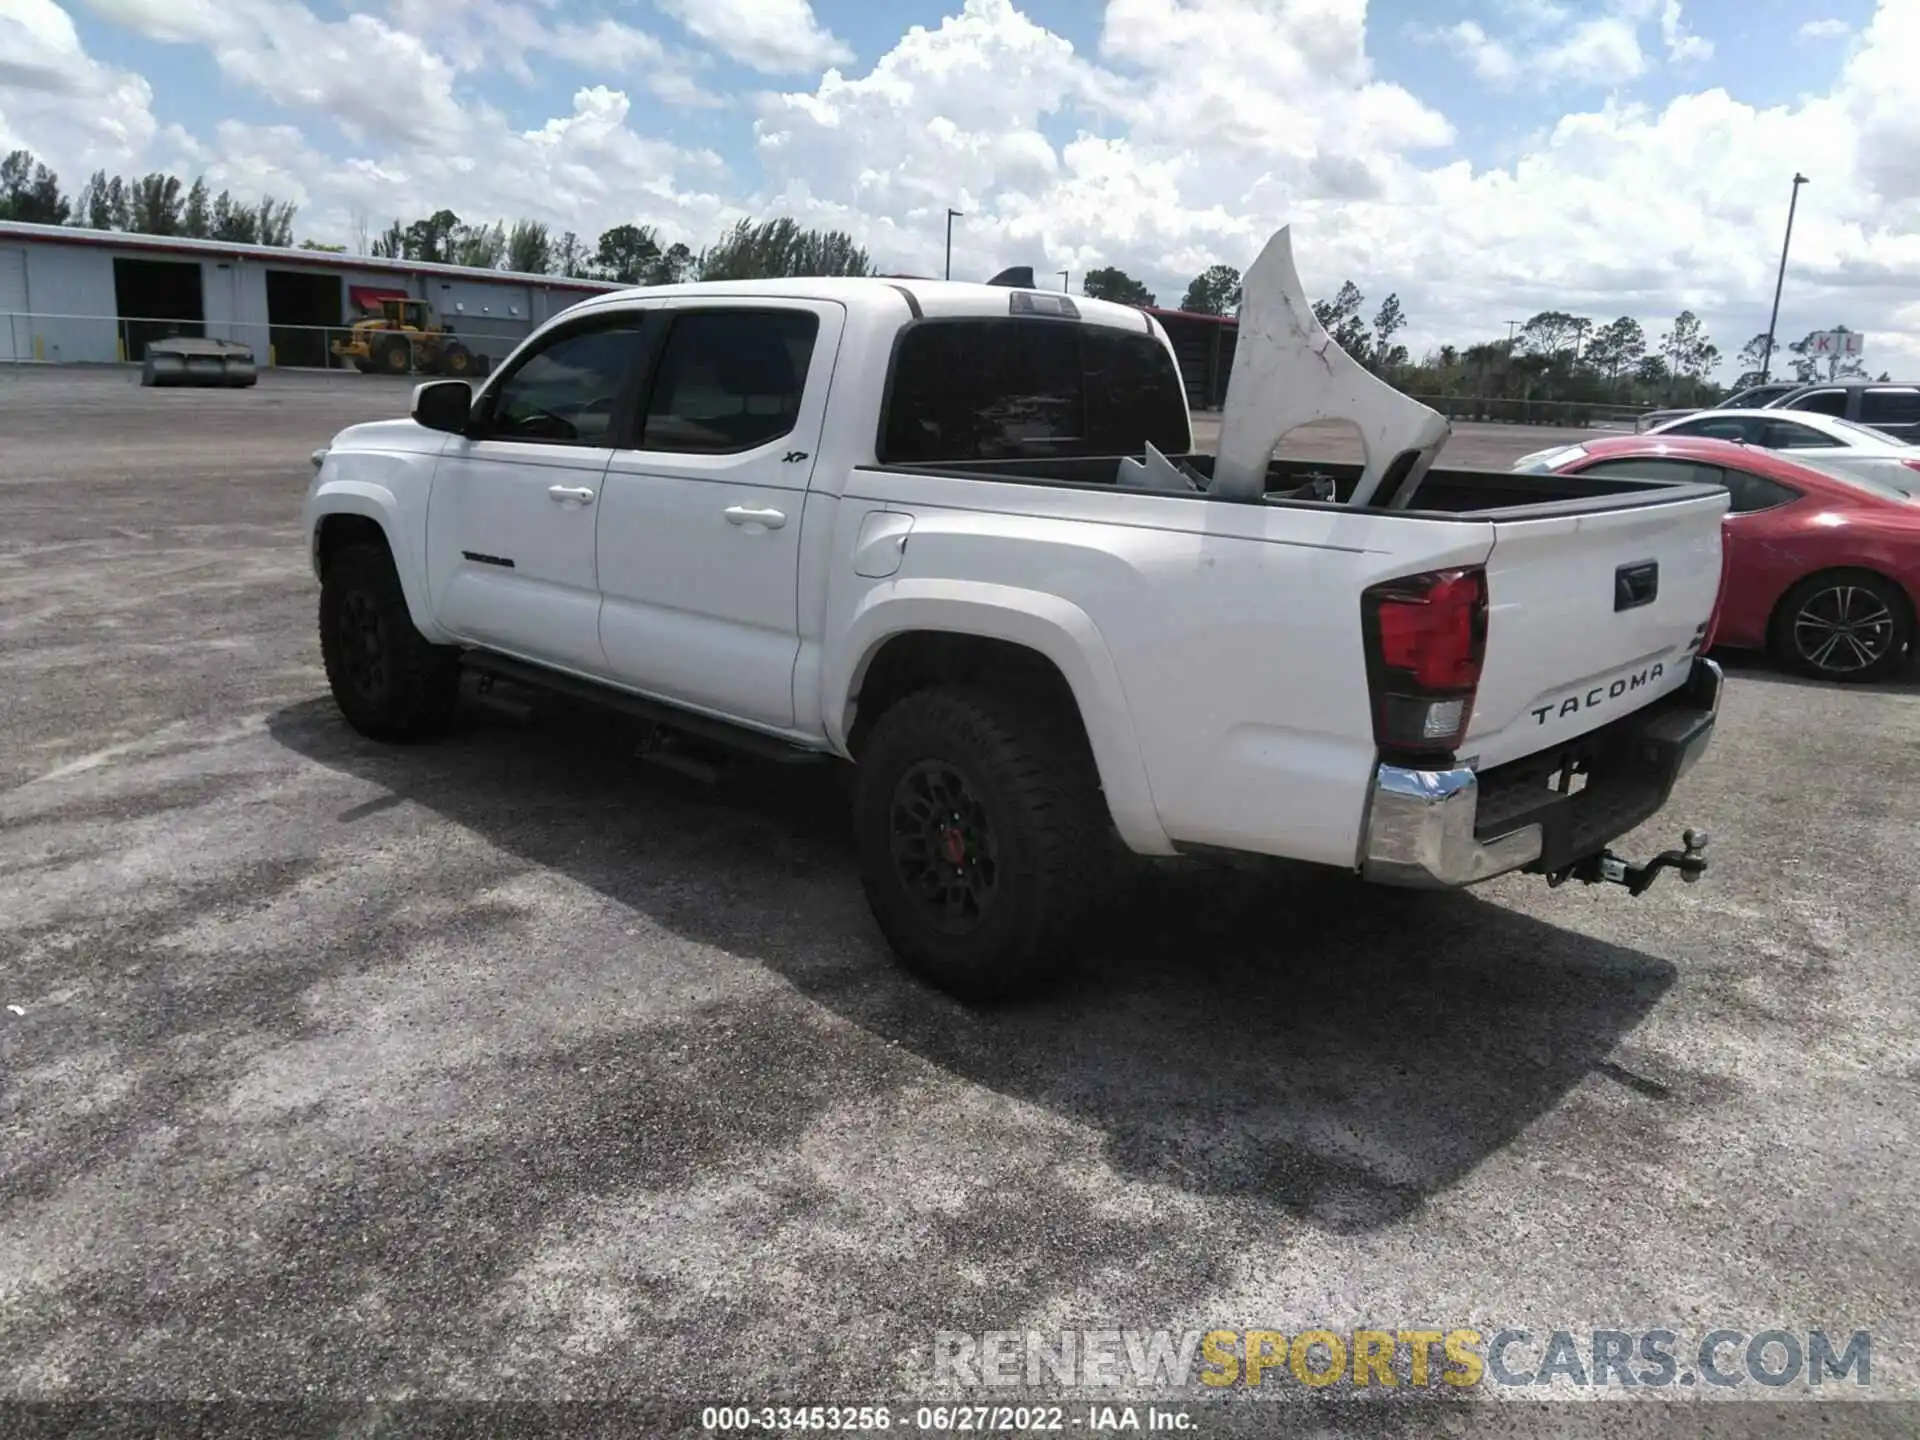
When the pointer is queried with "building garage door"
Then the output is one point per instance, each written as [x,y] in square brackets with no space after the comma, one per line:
[16,343]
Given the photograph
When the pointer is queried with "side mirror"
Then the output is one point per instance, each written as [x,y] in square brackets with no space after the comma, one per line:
[443,405]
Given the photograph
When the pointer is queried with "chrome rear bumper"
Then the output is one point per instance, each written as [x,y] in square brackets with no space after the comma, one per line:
[1424,826]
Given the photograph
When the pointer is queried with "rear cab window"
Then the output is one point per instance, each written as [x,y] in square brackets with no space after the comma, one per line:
[988,388]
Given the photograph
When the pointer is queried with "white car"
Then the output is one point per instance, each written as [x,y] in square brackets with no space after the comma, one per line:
[1805,434]
[956,535]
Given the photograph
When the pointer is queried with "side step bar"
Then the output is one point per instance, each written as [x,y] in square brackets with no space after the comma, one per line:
[491,667]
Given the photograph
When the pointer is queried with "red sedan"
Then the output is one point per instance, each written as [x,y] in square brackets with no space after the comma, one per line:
[1823,565]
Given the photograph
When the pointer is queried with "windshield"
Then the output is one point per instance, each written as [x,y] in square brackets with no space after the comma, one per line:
[1884,486]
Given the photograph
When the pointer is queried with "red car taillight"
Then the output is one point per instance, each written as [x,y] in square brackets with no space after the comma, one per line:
[1426,637]
[1911,464]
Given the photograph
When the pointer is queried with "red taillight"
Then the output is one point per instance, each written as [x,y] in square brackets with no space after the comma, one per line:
[1911,464]
[1426,637]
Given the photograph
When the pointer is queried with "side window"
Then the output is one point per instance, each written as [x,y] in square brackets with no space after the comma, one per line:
[1785,435]
[565,394]
[1822,402]
[1890,407]
[729,380]
[1710,427]
[1024,389]
[1756,492]
[1690,471]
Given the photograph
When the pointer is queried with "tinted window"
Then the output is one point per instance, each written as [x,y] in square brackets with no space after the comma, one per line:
[729,380]
[1822,402]
[1025,389]
[1890,407]
[1754,397]
[1689,471]
[1716,428]
[1748,492]
[1756,492]
[565,393]
[1785,435]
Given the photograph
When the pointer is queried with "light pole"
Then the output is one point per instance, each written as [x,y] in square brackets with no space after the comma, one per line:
[951,216]
[1766,360]
[1063,278]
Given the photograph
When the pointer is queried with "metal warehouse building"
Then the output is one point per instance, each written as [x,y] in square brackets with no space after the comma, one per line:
[100,296]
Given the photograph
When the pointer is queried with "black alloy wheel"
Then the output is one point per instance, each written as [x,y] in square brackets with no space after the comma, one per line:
[942,842]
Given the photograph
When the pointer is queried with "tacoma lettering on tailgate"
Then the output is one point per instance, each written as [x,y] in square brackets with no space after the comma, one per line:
[1601,694]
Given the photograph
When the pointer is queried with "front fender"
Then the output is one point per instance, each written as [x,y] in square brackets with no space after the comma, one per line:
[1044,623]
[406,537]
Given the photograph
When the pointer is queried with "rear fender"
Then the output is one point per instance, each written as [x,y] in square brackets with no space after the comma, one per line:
[1046,624]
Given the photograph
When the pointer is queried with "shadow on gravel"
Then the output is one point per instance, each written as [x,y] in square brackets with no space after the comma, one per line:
[1269,1031]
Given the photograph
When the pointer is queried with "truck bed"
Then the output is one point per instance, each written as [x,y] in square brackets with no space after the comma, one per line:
[1452,493]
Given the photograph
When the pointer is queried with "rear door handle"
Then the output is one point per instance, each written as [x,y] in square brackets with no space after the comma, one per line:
[748,515]
[561,494]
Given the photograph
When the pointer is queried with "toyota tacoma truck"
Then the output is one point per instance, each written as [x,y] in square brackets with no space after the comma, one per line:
[959,536]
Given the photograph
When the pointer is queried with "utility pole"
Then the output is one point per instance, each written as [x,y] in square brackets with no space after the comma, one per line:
[1063,279]
[952,215]
[1512,325]
[1766,360]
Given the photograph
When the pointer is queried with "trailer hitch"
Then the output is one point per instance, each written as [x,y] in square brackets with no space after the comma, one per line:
[1607,868]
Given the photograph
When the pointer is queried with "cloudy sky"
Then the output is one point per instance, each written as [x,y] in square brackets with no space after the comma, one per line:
[1486,159]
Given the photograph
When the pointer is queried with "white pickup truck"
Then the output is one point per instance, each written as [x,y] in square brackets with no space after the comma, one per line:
[957,534]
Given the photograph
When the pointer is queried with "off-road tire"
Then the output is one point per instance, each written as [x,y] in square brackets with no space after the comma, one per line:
[364,365]
[1811,604]
[406,688]
[393,355]
[1027,766]
[456,361]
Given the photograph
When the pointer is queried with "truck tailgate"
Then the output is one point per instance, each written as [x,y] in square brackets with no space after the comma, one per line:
[1590,617]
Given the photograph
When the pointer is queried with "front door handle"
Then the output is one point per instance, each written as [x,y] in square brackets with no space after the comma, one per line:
[748,515]
[561,494]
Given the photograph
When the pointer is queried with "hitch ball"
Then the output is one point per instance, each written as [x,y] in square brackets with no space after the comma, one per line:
[1694,840]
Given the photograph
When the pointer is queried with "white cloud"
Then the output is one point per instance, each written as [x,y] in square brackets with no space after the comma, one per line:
[372,80]
[513,36]
[50,87]
[1683,47]
[1552,47]
[1491,59]
[1193,130]
[1828,29]
[777,37]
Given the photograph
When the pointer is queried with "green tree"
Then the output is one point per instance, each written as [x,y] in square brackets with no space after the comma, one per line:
[627,254]
[157,204]
[1689,354]
[322,248]
[1388,322]
[479,247]
[194,219]
[779,247]
[391,243]
[1550,333]
[1109,282]
[1755,357]
[676,264]
[1214,291]
[570,257]
[30,192]
[529,250]
[1340,318]
[431,239]
[95,207]
[1615,347]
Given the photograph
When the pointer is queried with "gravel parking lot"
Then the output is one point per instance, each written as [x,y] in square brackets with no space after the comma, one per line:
[511,1067]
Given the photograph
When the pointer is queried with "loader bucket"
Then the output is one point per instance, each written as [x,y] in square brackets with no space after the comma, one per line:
[188,361]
